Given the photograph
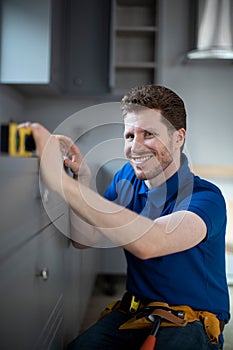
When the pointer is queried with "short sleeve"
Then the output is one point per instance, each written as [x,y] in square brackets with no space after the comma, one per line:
[209,204]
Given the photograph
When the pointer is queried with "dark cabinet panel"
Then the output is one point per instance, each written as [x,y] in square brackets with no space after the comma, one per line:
[87,52]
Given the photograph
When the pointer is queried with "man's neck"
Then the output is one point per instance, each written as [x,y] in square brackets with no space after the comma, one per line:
[163,176]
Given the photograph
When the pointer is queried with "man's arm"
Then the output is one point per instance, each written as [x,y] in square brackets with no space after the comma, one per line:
[74,161]
[84,235]
[141,236]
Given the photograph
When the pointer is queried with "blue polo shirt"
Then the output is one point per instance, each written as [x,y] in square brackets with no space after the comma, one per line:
[196,276]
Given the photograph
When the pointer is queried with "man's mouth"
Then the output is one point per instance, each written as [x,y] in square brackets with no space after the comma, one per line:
[141,159]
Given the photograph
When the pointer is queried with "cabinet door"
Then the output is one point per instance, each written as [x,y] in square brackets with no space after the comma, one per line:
[31,40]
[25,41]
[44,282]
[48,250]
[31,256]
[87,36]
[22,212]
[26,207]
[31,294]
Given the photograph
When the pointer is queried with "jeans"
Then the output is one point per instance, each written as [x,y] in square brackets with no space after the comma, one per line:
[104,335]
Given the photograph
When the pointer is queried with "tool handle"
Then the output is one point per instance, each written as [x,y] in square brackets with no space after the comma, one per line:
[149,343]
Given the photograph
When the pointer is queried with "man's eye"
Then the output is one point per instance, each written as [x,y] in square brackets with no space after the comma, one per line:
[149,134]
[129,137]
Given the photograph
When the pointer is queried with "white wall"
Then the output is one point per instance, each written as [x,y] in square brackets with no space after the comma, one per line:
[206,87]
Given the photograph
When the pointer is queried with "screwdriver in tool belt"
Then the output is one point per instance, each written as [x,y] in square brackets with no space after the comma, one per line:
[150,341]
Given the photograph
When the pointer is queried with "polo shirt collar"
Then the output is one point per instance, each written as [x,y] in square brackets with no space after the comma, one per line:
[169,188]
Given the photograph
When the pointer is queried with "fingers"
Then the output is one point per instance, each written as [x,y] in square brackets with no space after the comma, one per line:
[73,166]
[65,139]
[65,144]
[72,155]
[29,125]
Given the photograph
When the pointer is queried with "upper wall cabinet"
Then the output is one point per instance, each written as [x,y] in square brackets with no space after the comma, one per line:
[87,46]
[30,50]
[133,43]
[78,47]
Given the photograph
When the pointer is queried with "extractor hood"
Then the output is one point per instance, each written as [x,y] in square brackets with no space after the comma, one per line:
[213,38]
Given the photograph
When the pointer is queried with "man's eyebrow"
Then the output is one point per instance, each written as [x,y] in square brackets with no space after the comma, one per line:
[151,130]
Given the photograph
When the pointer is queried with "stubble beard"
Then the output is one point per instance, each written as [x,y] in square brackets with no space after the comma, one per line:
[160,165]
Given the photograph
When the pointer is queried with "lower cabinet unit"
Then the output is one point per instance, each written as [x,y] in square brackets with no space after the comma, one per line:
[41,274]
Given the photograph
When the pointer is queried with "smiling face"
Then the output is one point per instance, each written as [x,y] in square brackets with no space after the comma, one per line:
[151,147]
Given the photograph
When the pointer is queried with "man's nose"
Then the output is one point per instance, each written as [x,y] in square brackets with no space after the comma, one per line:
[137,144]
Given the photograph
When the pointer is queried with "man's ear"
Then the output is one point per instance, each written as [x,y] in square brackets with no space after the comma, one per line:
[180,136]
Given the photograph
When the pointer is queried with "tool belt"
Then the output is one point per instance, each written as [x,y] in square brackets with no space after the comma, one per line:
[143,314]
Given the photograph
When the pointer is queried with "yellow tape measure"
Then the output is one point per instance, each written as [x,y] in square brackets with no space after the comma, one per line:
[17,141]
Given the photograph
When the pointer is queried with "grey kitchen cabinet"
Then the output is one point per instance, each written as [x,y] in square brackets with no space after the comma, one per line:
[134,40]
[42,277]
[87,47]
[59,46]
[31,43]
[32,295]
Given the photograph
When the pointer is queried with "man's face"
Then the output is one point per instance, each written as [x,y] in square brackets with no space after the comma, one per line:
[149,146]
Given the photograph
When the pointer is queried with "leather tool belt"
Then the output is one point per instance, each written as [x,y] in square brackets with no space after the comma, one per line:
[143,312]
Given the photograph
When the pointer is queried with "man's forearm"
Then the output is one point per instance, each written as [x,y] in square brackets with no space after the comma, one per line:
[118,224]
[84,234]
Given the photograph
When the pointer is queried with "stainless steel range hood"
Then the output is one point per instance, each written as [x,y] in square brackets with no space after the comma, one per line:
[214,34]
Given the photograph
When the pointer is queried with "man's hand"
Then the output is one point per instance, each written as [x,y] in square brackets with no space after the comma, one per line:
[48,151]
[73,159]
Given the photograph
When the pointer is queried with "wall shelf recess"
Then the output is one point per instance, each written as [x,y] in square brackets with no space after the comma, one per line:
[133,44]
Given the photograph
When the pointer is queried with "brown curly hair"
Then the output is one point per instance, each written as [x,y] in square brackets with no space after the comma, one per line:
[157,97]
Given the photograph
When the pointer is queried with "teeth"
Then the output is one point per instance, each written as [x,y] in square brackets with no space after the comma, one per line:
[141,159]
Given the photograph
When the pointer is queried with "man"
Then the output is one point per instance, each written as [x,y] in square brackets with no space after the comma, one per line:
[170,223]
